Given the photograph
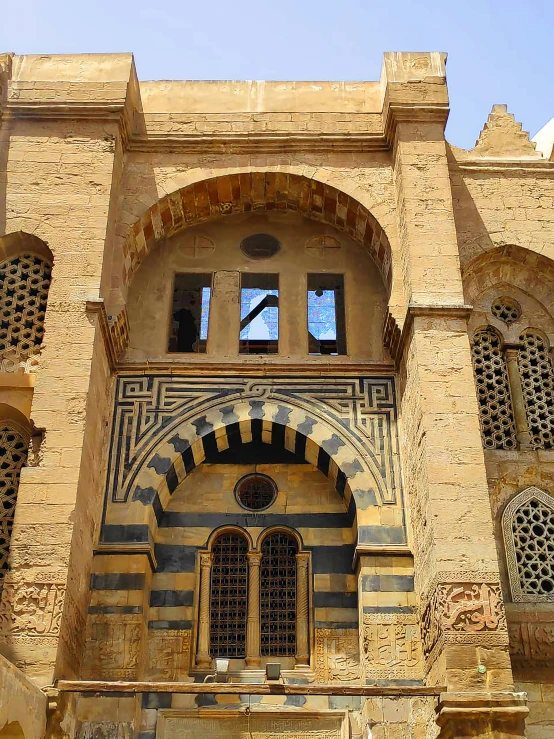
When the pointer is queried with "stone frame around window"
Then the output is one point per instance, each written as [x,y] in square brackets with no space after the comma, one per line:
[516,589]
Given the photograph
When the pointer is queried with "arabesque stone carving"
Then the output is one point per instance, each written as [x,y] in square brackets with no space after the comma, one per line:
[113,646]
[464,612]
[337,658]
[264,726]
[532,644]
[391,646]
[31,608]
[168,654]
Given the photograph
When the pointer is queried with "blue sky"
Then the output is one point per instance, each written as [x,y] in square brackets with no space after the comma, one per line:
[499,51]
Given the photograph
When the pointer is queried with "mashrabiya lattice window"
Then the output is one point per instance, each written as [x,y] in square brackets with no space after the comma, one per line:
[528,529]
[13,454]
[493,391]
[537,379]
[24,283]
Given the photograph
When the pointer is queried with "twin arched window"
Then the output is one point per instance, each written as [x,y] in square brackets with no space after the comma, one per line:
[258,600]
[508,380]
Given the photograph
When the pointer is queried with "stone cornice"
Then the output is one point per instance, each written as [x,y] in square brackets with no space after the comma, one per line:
[128,549]
[259,142]
[395,339]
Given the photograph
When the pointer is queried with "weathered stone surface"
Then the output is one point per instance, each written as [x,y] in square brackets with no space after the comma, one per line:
[394,508]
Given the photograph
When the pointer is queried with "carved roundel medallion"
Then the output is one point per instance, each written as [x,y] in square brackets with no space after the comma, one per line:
[255,492]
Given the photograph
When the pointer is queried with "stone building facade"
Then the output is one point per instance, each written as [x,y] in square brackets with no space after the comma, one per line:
[276,409]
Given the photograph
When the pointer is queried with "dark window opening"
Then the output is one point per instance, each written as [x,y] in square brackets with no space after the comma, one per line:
[228,600]
[278,595]
[260,246]
[190,312]
[259,314]
[326,321]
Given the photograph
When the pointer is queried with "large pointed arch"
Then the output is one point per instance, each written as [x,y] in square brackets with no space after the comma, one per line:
[256,191]
[328,445]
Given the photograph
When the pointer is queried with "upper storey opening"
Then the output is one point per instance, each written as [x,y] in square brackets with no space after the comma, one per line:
[250,285]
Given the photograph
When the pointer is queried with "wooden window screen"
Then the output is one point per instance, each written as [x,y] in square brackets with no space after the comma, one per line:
[228,600]
[278,596]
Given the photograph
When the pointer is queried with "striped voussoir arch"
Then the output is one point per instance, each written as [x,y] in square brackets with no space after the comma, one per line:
[256,191]
[270,422]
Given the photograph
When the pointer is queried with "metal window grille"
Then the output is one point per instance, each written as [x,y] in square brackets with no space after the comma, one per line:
[278,596]
[256,492]
[13,455]
[228,600]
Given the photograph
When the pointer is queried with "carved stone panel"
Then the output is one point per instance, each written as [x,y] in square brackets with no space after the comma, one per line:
[168,654]
[531,639]
[258,725]
[113,647]
[391,646]
[32,608]
[337,658]
[467,611]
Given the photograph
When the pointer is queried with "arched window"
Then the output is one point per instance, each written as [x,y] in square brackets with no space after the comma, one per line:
[228,597]
[493,391]
[528,529]
[278,595]
[537,379]
[24,283]
[13,454]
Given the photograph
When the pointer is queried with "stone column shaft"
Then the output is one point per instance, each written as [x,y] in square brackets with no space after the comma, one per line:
[253,658]
[518,401]
[203,658]
[302,608]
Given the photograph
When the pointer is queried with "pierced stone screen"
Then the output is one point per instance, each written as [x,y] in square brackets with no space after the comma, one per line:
[259,314]
[326,322]
[278,595]
[493,391]
[13,455]
[533,532]
[24,283]
[506,309]
[228,599]
[190,312]
[535,369]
